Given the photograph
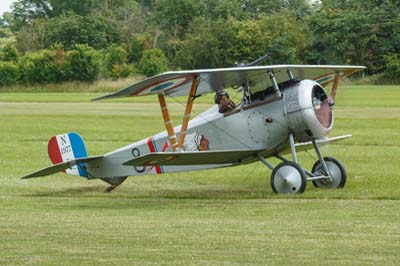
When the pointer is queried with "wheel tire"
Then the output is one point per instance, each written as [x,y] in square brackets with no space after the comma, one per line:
[337,172]
[288,178]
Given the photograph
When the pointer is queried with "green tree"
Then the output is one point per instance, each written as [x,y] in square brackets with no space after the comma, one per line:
[83,63]
[355,32]
[220,43]
[153,62]
[208,44]
[24,12]
[172,22]
[136,47]
[68,30]
[96,32]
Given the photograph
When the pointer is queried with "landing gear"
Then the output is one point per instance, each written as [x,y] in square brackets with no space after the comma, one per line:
[288,178]
[337,172]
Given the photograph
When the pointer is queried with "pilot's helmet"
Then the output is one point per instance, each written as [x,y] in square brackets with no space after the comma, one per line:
[218,96]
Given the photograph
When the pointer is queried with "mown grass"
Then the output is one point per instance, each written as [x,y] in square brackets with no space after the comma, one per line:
[217,217]
[101,85]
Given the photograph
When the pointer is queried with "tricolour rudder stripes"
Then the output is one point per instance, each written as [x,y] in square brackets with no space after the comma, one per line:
[67,147]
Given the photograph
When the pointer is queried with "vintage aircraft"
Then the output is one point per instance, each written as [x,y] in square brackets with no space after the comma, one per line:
[283,109]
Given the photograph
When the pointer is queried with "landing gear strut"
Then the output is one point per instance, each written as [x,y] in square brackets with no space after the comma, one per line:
[337,172]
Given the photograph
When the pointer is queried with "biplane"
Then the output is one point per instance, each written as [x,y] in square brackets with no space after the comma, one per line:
[283,109]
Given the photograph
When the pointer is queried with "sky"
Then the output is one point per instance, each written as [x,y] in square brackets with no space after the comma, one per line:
[5,6]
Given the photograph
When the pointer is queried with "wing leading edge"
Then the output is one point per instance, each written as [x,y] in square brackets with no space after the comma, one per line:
[178,83]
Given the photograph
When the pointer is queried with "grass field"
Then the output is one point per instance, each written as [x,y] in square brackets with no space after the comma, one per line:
[217,217]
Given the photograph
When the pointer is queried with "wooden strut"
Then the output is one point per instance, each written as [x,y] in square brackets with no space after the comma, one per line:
[167,118]
[167,121]
[335,84]
[188,111]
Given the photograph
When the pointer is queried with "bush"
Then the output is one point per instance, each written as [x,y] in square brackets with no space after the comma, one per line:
[153,62]
[121,71]
[116,60]
[8,53]
[43,67]
[116,56]
[9,73]
[83,63]
[392,67]
[50,66]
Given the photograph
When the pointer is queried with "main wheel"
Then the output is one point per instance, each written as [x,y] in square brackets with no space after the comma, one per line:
[336,170]
[288,178]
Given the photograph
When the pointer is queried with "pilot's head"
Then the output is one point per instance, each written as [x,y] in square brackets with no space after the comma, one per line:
[202,143]
[221,96]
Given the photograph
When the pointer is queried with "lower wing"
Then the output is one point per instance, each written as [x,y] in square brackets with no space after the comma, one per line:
[194,158]
[303,146]
[215,157]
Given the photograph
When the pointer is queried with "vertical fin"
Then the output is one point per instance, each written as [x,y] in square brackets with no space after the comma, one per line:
[67,147]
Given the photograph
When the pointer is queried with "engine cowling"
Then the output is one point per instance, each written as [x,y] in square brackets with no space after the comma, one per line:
[307,110]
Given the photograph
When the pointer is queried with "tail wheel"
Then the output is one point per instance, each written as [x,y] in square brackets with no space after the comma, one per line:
[336,171]
[288,178]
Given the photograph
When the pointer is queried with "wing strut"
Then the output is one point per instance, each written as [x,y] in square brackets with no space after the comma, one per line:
[188,111]
[335,84]
[167,118]
[167,121]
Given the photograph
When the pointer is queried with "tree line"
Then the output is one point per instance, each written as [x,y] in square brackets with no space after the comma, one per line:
[45,41]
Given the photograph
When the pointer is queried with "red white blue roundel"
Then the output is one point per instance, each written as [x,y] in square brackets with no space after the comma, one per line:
[165,85]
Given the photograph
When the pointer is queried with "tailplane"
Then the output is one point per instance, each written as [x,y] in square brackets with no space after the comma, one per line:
[68,154]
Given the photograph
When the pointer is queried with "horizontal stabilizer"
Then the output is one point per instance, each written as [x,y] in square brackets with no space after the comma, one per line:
[193,158]
[302,146]
[60,167]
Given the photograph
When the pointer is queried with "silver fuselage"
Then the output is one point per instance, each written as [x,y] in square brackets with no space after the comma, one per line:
[262,123]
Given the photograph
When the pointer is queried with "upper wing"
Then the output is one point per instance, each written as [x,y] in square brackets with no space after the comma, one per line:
[178,83]
[194,158]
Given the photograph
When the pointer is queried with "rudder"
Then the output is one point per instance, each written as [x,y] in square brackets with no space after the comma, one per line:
[67,147]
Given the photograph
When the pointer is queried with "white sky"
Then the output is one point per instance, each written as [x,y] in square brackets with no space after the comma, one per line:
[5,6]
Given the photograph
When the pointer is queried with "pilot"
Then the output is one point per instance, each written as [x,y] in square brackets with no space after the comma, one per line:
[224,103]
[202,143]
